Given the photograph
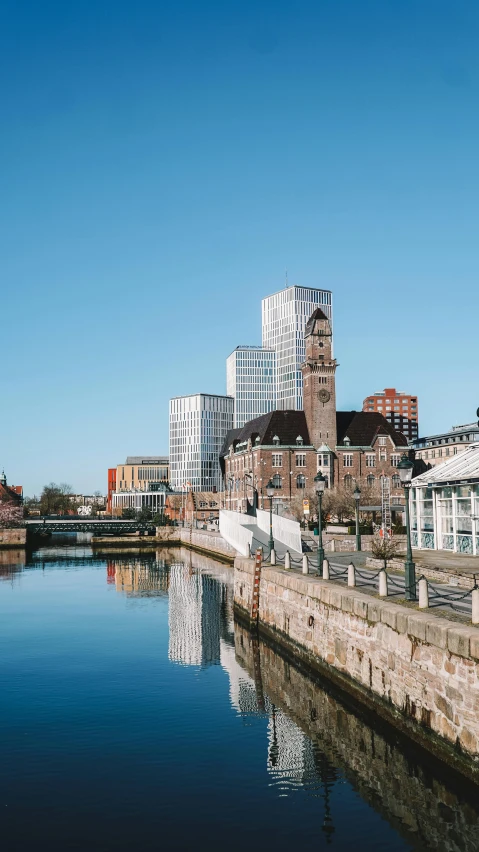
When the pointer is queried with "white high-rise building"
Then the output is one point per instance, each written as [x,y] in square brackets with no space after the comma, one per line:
[251,381]
[284,318]
[198,427]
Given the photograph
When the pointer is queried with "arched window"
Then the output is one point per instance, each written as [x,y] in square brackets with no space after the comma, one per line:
[348,481]
[300,481]
[371,480]
[396,481]
[277,481]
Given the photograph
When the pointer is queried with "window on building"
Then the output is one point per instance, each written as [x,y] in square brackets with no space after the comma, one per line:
[382,441]
[203,504]
[277,481]
[300,459]
[395,459]
[382,454]
[300,481]
[348,481]
[370,460]
[371,480]
[396,481]
[347,459]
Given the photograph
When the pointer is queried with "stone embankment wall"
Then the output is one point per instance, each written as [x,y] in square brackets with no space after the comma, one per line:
[13,538]
[418,671]
[207,542]
[424,808]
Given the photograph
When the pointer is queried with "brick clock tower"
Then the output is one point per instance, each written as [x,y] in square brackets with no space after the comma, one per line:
[319,381]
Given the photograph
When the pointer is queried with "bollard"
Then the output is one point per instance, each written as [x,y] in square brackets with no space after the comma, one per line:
[475,606]
[333,545]
[305,564]
[287,560]
[351,574]
[272,557]
[423,594]
[325,569]
[383,584]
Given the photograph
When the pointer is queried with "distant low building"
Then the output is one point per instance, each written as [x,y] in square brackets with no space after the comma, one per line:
[194,507]
[152,498]
[434,449]
[139,472]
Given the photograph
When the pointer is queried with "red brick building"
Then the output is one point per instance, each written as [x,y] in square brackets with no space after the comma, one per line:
[400,410]
[111,488]
[290,447]
[199,507]
[10,493]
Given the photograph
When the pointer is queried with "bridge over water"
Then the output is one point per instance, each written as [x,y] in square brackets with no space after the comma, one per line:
[37,526]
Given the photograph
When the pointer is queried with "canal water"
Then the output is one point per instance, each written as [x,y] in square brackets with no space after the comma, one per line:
[136,715]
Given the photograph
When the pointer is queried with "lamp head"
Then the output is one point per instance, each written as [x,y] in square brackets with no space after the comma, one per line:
[270,489]
[405,468]
[357,493]
[320,483]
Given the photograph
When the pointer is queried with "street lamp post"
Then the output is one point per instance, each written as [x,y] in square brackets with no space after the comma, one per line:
[270,493]
[320,485]
[405,468]
[357,497]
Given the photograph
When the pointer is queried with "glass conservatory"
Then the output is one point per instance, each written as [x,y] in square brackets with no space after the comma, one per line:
[445,505]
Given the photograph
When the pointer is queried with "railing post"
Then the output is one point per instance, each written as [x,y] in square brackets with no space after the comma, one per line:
[423,593]
[475,606]
[351,574]
[325,569]
[287,560]
[272,557]
[383,584]
[305,564]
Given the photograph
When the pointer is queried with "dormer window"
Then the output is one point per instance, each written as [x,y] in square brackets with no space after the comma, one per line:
[258,439]
[347,441]
[299,441]
[276,441]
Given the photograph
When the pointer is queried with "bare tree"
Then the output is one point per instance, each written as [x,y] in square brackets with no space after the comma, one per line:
[384,548]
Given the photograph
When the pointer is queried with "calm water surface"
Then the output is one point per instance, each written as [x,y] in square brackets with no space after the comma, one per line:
[135,715]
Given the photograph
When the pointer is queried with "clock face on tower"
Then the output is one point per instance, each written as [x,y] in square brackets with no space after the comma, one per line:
[324,395]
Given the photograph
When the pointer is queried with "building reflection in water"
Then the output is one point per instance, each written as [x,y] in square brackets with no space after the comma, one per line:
[148,578]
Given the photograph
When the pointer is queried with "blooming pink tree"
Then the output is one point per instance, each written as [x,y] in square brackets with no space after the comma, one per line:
[11,515]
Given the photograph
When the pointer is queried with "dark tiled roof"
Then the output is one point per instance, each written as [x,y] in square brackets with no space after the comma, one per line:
[317,315]
[231,435]
[362,427]
[287,425]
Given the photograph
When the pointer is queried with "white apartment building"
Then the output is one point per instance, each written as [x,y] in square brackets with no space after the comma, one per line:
[284,318]
[198,427]
[434,449]
[251,381]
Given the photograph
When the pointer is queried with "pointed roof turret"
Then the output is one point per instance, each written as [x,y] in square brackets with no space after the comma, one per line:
[318,314]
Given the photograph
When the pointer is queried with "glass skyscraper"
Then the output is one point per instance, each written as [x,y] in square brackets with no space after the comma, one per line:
[251,381]
[284,318]
[198,427]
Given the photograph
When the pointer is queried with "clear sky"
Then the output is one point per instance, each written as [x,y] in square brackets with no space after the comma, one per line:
[163,163]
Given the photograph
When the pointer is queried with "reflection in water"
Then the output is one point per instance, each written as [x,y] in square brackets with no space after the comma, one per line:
[314,746]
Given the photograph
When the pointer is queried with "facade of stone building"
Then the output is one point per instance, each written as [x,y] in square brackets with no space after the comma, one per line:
[290,447]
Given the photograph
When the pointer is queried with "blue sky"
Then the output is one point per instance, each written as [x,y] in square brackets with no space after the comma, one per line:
[163,163]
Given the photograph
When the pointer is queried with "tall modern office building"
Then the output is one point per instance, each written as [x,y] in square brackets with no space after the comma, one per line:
[284,318]
[198,427]
[251,381]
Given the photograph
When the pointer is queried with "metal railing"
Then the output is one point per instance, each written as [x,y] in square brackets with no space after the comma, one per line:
[387,585]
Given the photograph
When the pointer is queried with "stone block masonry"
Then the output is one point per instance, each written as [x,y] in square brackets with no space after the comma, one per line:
[13,538]
[418,671]
[389,776]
